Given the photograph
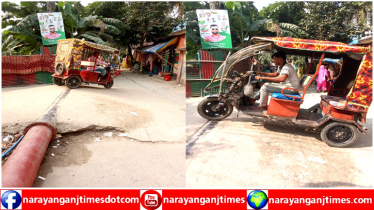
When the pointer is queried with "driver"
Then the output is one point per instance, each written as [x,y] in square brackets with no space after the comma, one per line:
[286,75]
[100,70]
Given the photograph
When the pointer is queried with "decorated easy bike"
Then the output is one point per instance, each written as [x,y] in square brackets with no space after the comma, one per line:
[76,63]
[339,115]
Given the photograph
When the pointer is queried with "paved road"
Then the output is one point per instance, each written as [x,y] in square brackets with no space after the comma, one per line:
[252,153]
[152,156]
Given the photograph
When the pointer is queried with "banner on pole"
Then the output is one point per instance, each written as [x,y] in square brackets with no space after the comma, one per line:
[51,27]
[214,28]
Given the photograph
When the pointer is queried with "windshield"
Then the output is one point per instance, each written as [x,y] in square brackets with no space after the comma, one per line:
[231,60]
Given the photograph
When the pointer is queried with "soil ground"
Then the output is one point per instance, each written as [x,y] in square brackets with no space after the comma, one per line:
[150,110]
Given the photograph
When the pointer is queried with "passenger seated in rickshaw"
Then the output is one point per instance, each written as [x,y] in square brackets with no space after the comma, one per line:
[286,74]
[98,69]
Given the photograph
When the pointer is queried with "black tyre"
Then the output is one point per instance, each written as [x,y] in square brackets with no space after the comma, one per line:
[73,82]
[60,68]
[338,134]
[206,109]
[58,81]
[109,84]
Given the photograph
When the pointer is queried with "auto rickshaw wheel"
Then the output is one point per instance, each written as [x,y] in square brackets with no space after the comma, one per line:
[60,68]
[58,81]
[206,109]
[109,84]
[338,134]
[73,82]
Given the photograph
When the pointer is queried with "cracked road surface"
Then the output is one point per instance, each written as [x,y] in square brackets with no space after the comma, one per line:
[253,153]
[152,156]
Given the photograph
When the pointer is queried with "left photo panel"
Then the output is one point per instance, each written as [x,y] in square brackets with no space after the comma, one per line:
[93,94]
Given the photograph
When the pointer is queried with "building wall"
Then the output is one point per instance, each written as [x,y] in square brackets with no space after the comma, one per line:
[180,67]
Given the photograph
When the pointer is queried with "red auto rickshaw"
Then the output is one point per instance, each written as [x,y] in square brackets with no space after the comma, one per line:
[76,62]
[339,115]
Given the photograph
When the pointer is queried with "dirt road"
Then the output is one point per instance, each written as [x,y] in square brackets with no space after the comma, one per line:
[248,152]
[151,111]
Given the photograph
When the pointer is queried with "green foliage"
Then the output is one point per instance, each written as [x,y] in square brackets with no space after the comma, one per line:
[24,36]
[193,41]
[244,20]
[337,21]
[284,12]
[132,23]
[291,30]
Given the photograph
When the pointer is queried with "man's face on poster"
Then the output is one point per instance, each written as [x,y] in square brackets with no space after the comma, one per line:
[52,29]
[214,30]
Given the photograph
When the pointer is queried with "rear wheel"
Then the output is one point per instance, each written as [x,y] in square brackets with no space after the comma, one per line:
[338,134]
[73,82]
[109,84]
[58,81]
[207,109]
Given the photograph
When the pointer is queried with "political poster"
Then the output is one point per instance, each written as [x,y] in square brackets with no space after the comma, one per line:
[214,28]
[51,27]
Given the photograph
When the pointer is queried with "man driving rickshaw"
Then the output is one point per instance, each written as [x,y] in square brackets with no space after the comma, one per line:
[338,115]
[76,62]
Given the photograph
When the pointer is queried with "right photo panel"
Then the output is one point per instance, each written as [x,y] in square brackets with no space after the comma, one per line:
[279,95]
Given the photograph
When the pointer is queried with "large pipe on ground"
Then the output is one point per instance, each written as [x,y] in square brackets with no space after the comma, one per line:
[22,166]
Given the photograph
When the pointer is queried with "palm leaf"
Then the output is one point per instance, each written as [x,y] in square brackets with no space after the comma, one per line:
[23,37]
[95,39]
[70,19]
[256,25]
[10,7]
[106,36]
[292,28]
[112,21]
[112,29]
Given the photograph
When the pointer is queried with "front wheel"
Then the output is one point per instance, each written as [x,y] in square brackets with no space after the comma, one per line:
[207,110]
[109,84]
[73,82]
[338,134]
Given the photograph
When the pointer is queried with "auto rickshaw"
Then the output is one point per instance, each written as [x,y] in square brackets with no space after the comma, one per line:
[76,61]
[338,115]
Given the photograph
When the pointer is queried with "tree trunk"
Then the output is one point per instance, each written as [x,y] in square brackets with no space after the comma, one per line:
[130,53]
[214,4]
[51,6]
[142,39]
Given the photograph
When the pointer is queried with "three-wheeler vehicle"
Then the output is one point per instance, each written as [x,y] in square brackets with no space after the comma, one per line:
[338,115]
[76,62]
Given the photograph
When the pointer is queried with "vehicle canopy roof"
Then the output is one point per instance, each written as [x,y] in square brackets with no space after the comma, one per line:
[84,43]
[359,65]
[306,47]
[70,51]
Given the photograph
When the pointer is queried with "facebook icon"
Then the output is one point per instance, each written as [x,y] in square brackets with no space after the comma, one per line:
[11,199]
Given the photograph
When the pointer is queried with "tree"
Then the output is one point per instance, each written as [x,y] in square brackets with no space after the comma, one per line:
[24,36]
[140,21]
[193,43]
[245,22]
[337,21]
[284,12]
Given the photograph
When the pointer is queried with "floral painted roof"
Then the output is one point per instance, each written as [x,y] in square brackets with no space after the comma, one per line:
[90,44]
[312,45]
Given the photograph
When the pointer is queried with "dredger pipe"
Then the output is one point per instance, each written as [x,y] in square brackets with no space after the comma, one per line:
[23,164]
